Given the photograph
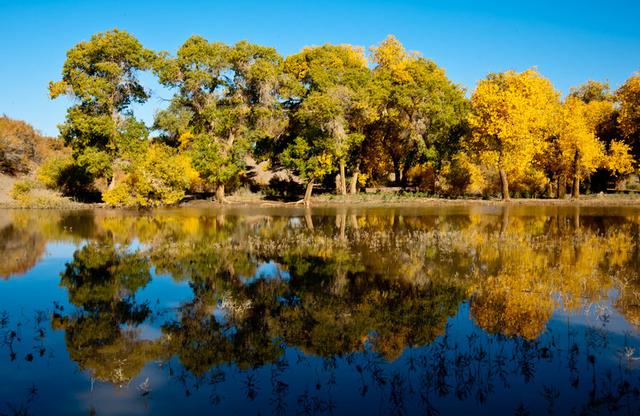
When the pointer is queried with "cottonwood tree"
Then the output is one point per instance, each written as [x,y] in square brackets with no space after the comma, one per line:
[628,97]
[227,98]
[328,107]
[420,112]
[512,114]
[600,116]
[101,77]
[581,153]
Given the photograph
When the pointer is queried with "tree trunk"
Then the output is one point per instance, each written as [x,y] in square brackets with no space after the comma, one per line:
[343,179]
[220,194]
[562,186]
[404,175]
[505,185]
[354,183]
[307,194]
[397,176]
[575,188]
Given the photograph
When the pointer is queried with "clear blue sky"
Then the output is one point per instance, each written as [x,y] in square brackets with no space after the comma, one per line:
[569,41]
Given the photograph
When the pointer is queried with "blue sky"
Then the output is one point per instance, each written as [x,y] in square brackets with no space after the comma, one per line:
[569,41]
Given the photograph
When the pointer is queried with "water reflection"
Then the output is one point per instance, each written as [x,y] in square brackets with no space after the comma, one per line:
[518,309]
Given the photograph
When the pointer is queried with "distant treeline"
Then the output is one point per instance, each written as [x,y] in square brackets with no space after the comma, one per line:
[333,115]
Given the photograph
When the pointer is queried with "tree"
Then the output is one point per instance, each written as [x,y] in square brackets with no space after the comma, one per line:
[581,153]
[420,113]
[329,105]
[227,99]
[619,159]
[591,91]
[628,96]
[512,114]
[22,147]
[310,160]
[101,76]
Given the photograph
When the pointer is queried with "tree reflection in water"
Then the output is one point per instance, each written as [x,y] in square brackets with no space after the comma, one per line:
[398,312]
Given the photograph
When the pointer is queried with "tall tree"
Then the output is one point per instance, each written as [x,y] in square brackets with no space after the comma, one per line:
[420,113]
[329,105]
[226,99]
[101,76]
[628,97]
[591,91]
[581,153]
[512,114]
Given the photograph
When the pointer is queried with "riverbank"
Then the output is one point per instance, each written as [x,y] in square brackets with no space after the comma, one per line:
[327,201]
[369,200]
[52,200]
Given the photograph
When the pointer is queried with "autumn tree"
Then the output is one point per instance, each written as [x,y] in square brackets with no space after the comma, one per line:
[101,77]
[421,114]
[226,99]
[22,147]
[328,107]
[580,150]
[592,91]
[512,114]
[628,97]
[594,104]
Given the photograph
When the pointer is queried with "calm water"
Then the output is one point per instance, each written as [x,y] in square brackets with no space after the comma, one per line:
[485,310]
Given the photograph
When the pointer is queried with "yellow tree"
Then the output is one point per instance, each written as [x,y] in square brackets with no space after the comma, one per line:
[581,153]
[512,114]
[628,96]
[619,159]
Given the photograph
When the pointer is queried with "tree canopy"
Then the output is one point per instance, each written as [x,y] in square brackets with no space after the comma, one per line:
[386,116]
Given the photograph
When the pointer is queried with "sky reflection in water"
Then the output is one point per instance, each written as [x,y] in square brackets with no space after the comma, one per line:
[490,310]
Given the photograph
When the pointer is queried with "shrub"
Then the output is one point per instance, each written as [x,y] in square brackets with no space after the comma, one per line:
[423,176]
[158,177]
[51,172]
[22,147]
[21,189]
[64,174]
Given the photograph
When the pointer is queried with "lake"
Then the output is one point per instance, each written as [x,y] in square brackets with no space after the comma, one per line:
[454,310]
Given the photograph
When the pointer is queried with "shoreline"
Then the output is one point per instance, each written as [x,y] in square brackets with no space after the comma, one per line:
[360,201]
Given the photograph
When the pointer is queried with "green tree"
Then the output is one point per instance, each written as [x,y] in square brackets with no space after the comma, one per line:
[227,99]
[101,76]
[329,104]
[421,114]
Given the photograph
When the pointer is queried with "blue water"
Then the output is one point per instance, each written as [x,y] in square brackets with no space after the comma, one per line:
[370,311]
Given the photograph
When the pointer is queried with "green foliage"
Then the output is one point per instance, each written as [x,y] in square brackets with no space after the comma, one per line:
[421,114]
[391,116]
[227,100]
[101,75]
[329,106]
[212,164]
[310,163]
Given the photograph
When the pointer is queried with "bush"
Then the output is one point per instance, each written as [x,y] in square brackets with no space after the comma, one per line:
[158,177]
[21,189]
[64,174]
[22,147]
[423,176]
[51,172]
